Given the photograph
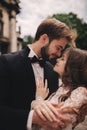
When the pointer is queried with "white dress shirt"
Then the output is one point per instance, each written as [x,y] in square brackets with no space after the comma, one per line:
[38,72]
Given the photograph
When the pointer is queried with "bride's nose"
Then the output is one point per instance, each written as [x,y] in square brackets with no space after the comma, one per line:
[57,60]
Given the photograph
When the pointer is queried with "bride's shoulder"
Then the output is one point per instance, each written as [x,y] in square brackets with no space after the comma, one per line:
[80,90]
[80,94]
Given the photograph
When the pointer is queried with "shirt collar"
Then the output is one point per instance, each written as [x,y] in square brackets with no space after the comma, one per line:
[32,53]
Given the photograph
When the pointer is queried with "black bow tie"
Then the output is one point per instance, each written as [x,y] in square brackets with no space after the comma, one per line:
[36,60]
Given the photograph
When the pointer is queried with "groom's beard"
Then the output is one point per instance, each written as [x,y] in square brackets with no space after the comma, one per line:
[44,53]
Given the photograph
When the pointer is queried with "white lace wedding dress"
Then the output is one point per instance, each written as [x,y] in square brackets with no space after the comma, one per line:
[76,100]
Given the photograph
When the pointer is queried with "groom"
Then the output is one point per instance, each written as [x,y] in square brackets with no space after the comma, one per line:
[18,73]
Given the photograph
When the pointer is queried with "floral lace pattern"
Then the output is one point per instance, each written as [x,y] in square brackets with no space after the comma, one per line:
[77,99]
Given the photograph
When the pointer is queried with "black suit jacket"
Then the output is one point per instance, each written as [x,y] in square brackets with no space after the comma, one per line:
[17,88]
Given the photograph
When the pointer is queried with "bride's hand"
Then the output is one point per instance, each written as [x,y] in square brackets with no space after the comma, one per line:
[42,89]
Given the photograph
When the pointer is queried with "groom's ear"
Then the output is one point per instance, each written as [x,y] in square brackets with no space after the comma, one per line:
[44,39]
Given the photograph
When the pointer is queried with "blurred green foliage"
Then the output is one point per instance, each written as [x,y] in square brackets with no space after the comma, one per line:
[74,22]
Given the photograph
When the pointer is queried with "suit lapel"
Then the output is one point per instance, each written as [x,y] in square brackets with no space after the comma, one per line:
[27,64]
[48,68]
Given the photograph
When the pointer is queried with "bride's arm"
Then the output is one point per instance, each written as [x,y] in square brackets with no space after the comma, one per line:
[78,102]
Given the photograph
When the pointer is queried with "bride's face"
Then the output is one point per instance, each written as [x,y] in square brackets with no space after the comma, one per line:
[60,65]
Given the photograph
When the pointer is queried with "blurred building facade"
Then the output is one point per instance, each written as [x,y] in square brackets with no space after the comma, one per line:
[10,39]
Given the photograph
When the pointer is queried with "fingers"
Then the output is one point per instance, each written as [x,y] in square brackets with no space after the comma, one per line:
[46,87]
[40,83]
[46,111]
[69,110]
[46,84]
[40,114]
[62,118]
[52,107]
[42,88]
[58,105]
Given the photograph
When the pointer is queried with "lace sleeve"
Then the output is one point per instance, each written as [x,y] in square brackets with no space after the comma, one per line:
[77,98]
[78,102]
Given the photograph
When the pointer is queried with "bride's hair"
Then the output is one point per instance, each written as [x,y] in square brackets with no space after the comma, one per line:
[75,73]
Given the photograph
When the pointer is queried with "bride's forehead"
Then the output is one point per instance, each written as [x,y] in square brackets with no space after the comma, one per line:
[65,54]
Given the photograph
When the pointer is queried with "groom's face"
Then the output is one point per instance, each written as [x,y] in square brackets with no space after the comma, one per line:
[53,49]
